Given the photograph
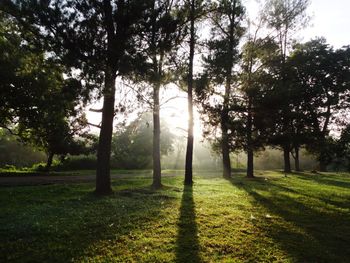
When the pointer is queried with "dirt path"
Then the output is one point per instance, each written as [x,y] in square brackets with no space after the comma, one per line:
[60,179]
[44,180]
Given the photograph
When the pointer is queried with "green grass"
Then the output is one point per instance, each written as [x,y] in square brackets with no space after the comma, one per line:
[299,218]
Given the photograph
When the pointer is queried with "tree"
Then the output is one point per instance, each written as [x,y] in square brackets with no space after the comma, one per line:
[343,146]
[56,119]
[257,54]
[132,145]
[163,34]
[321,76]
[196,10]
[285,17]
[98,41]
[15,62]
[14,153]
[189,147]
[223,54]
[39,105]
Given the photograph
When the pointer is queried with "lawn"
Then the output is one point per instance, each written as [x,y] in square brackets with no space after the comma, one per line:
[300,218]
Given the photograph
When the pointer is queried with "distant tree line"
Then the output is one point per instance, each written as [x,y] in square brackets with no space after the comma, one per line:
[255,86]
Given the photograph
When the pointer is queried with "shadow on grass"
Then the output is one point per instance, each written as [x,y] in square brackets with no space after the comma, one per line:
[305,228]
[66,223]
[328,179]
[187,249]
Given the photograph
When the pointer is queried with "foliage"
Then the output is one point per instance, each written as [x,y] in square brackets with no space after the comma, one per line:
[264,92]
[79,162]
[215,89]
[272,158]
[14,153]
[75,38]
[284,18]
[321,85]
[203,156]
[341,150]
[161,38]
[97,42]
[40,105]
[255,81]
[132,145]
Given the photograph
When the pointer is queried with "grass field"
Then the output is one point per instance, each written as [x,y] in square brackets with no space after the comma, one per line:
[299,218]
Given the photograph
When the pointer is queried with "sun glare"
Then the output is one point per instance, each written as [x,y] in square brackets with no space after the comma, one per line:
[173,111]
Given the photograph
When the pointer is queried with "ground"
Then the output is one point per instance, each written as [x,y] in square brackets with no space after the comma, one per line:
[299,218]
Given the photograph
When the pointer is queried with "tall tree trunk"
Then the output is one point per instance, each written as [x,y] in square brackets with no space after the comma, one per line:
[286,157]
[296,159]
[322,166]
[156,139]
[225,149]
[250,151]
[103,180]
[49,161]
[189,149]
[250,163]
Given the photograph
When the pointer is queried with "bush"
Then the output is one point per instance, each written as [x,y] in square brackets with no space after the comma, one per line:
[79,162]
[38,167]
[10,167]
[14,153]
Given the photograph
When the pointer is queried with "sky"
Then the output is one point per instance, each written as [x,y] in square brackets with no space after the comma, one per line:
[329,19]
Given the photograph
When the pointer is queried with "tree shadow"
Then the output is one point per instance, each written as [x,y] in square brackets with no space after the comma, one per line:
[187,244]
[61,223]
[328,179]
[306,230]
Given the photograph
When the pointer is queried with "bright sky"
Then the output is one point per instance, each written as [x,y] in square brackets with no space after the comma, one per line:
[329,19]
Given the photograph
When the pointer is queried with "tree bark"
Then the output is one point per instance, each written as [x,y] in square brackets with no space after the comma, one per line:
[250,151]
[286,157]
[156,139]
[49,161]
[225,149]
[322,166]
[250,163]
[296,159]
[225,146]
[103,178]
[189,149]
[103,181]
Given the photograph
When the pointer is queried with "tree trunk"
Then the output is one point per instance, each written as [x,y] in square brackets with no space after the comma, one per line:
[103,178]
[250,151]
[296,159]
[286,157]
[189,149]
[103,181]
[156,139]
[225,146]
[323,166]
[49,161]
[250,163]
[225,111]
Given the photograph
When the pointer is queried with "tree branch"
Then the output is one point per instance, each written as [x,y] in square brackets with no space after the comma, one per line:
[95,125]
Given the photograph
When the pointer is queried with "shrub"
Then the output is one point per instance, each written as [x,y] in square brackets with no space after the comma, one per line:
[38,167]
[80,162]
